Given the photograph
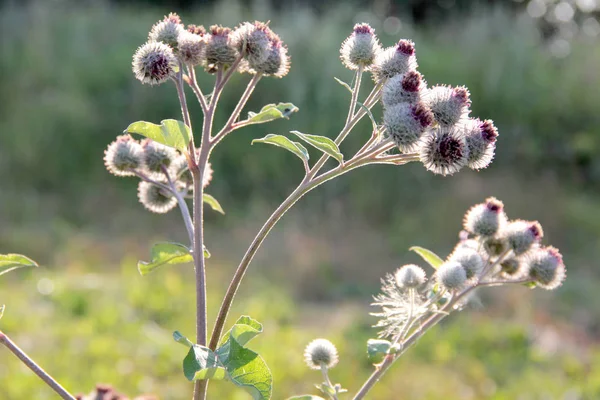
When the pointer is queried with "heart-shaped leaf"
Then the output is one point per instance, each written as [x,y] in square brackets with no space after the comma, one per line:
[212,202]
[271,112]
[170,132]
[247,370]
[284,142]
[432,259]
[165,254]
[322,143]
[9,262]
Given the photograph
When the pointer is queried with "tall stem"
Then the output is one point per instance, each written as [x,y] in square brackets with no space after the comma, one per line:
[43,375]
[354,98]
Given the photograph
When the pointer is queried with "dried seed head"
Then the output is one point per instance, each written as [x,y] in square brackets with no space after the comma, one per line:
[405,123]
[253,42]
[546,267]
[220,50]
[122,156]
[410,276]
[155,198]
[277,63]
[190,48]
[522,235]
[485,219]
[406,88]
[481,140]
[444,151]
[451,275]
[449,105]
[154,63]
[167,31]
[395,60]
[360,48]
[470,260]
[157,156]
[320,352]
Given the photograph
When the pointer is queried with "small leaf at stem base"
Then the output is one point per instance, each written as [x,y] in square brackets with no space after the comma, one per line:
[9,262]
[165,254]
[432,259]
[213,203]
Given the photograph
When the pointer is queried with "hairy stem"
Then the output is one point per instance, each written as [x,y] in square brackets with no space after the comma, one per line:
[185,111]
[325,373]
[185,211]
[355,91]
[43,375]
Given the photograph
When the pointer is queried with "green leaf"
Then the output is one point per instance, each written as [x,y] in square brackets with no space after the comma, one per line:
[284,142]
[179,338]
[322,143]
[165,254]
[206,252]
[247,370]
[306,397]
[170,132]
[432,259]
[202,363]
[9,262]
[344,84]
[377,349]
[370,114]
[2,307]
[213,203]
[245,329]
[271,112]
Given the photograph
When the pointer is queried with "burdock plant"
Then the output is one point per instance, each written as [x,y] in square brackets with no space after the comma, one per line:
[430,125]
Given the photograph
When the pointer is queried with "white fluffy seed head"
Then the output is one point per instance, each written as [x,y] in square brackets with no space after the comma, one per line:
[360,48]
[449,105]
[395,60]
[546,267]
[522,235]
[470,259]
[444,151]
[485,219]
[481,140]
[154,198]
[405,123]
[123,156]
[451,275]
[410,276]
[154,63]
[320,352]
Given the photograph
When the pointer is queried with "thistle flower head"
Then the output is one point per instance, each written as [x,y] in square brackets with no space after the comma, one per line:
[155,198]
[522,235]
[485,219]
[277,63]
[181,173]
[123,155]
[449,105]
[469,259]
[320,352]
[444,151]
[395,60]
[154,63]
[190,48]
[360,48]
[451,275]
[410,276]
[253,42]
[220,50]
[405,88]
[406,123]
[546,267]
[481,140]
[157,156]
[167,31]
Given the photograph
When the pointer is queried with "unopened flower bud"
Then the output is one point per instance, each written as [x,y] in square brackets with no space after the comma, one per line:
[180,172]
[190,48]
[277,63]
[406,123]
[395,60]
[470,260]
[360,48]
[546,267]
[522,235]
[481,139]
[444,151]
[451,275]
[157,156]
[253,42]
[154,63]
[155,198]
[410,276]
[449,105]
[320,352]
[512,268]
[123,156]
[167,31]
[220,50]
[494,247]
[485,219]
[406,88]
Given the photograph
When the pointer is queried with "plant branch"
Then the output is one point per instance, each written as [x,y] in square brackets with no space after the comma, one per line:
[185,111]
[185,211]
[193,82]
[43,375]
[355,91]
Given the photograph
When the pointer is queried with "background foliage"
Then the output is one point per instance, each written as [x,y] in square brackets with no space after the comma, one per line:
[67,91]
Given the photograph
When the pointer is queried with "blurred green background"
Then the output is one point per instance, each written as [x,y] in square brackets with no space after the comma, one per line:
[87,316]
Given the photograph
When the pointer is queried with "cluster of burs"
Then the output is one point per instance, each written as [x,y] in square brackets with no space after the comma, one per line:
[432,122]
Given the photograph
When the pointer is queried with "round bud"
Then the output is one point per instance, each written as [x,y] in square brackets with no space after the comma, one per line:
[481,140]
[485,219]
[395,60]
[155,198]
[320,352]
[494,247]
[190,48]
[360,48]
[451,275]
[220,50]
[444,151]
[546,267]
[449,105]
[277,63]
[470,259]
[522,235]
[405,123]
[513,268]
[122,156]
[406,88]
[410,276]
[180,172]
[157,156]
[154,63]
[253,42]
[167,31]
